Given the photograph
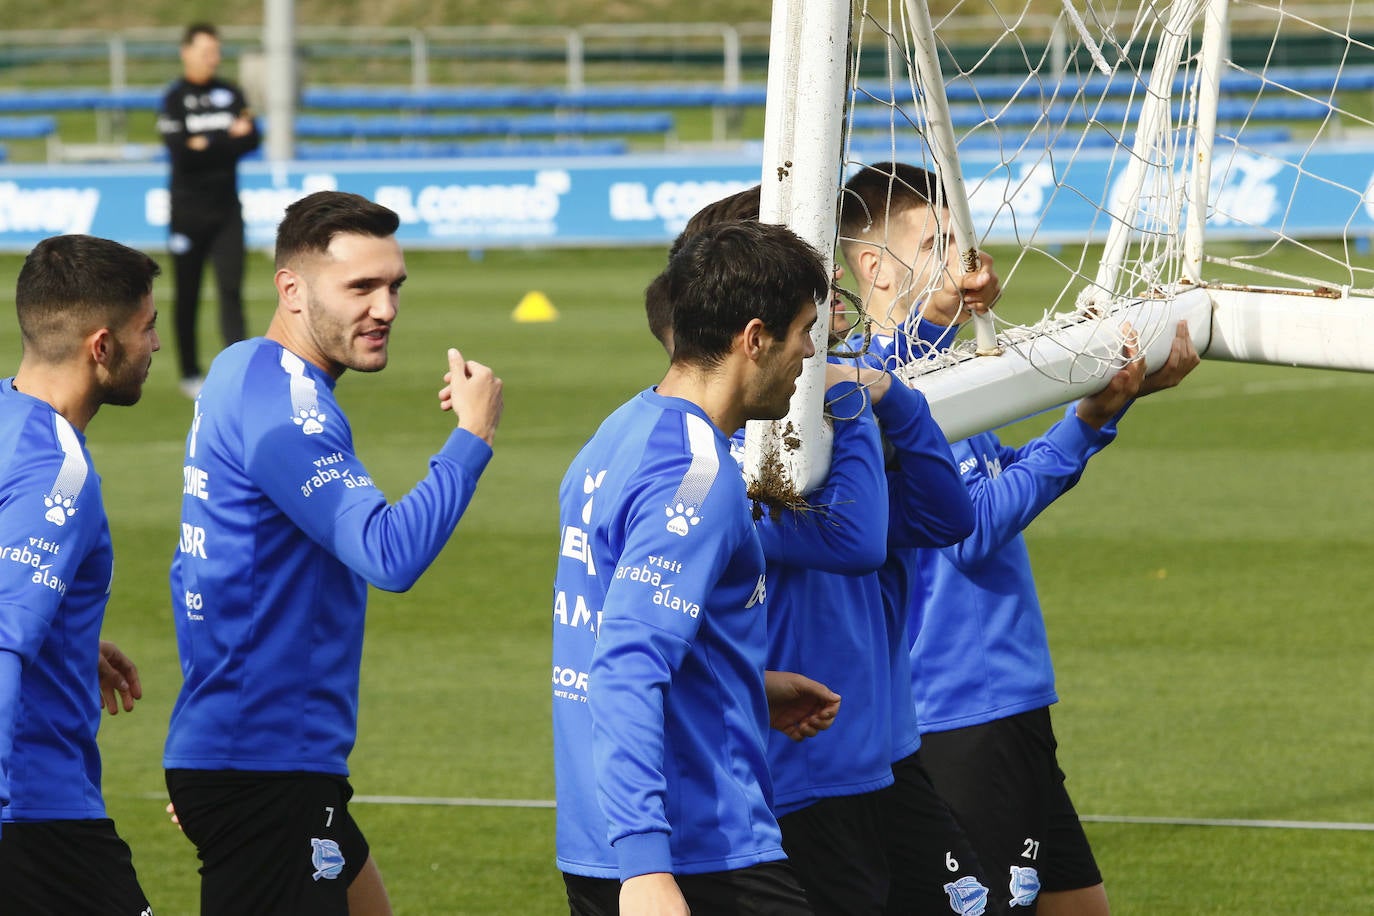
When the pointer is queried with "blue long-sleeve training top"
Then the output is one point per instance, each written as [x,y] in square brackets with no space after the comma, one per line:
[56,565]
[282,530]
[827,618]
[659,635]
[978,645]
[979,648]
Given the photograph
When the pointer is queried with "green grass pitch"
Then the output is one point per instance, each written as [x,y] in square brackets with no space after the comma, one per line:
[1208,587]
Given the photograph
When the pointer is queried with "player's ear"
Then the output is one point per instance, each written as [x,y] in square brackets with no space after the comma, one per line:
[753,337]
[291,289]
[100,346]
[871,269]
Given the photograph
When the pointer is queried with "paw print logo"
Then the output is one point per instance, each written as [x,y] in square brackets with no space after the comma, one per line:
[310,420]
[681,518]
[59,508]
[590,485]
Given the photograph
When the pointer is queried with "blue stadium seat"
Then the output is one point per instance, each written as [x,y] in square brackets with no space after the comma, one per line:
[79,99]
[1316,81]
[432,150]
[32,127]
[878,147]
[1109,114]
[327,127]
[440,99]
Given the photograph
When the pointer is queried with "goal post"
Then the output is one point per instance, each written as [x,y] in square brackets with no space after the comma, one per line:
[1142,163]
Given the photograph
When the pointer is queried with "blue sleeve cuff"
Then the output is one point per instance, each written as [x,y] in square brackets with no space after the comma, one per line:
[1074,437]
[643,854]
[467,451]
[898,404]
[846,400]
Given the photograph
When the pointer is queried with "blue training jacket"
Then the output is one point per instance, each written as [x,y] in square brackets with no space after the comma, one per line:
[282,529]
[978,645]
[827,618]
[659,635]
[56,564]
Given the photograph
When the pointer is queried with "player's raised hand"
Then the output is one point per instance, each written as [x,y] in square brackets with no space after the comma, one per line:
[1183,358]
[964,293]
[473,393]
[1097,409]
[118,679]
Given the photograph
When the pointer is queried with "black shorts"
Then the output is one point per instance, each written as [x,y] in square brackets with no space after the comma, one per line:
[270,843]
[75,868]
[769,889]
[933,864]
[1004,783]
[837,854]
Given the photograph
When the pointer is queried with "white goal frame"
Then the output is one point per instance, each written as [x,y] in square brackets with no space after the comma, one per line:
[1067,355]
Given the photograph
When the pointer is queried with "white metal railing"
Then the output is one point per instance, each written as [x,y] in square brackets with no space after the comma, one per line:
[569,47]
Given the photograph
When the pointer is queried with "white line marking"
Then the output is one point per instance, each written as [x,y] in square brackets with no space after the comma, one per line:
[1224,822]
[456,802]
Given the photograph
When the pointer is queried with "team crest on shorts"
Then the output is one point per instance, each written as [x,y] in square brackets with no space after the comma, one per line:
[327,859]
[967,896]
[1025,886]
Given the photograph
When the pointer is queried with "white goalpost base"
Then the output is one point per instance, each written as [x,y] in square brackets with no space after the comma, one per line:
[1050,369]
[1319,329]
[1289,327]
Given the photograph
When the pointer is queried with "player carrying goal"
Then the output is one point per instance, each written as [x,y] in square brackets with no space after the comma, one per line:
[982,681]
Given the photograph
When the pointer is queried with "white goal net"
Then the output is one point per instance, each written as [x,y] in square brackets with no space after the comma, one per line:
[1129,165]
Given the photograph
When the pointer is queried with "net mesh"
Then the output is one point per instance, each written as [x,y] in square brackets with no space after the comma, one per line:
[1078,130]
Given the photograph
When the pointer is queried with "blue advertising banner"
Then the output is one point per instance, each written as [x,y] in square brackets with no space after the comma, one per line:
[645,200]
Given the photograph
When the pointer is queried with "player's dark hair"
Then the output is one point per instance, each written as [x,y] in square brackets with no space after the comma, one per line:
[71,285]
[659,310]
[312,222]
[728,274]
[881,191]
[741,205]
[198,28]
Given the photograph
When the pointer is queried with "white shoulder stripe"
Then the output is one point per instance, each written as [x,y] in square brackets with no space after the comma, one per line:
[71,477]
[701,474]
[304,397]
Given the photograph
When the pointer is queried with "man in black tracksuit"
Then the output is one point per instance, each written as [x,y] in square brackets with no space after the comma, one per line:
[207,127]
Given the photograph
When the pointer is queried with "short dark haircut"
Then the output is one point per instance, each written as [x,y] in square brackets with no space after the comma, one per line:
[312,222]
[71,285]
[880,191]
[740,205]
[198,28]
[728,274]
[658,309]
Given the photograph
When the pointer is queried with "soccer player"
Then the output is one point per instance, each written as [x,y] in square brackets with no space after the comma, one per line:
[88,327]
[282,530]
[207,128]
[982,679]
[660,701]
[826,616]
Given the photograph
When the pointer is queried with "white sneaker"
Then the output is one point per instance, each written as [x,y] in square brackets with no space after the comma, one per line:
[191,386]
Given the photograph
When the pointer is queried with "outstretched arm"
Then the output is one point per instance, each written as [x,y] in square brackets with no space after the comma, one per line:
[929,503]
[301,455]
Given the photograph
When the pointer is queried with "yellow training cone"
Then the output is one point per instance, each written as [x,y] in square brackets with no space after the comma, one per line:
[534,306]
